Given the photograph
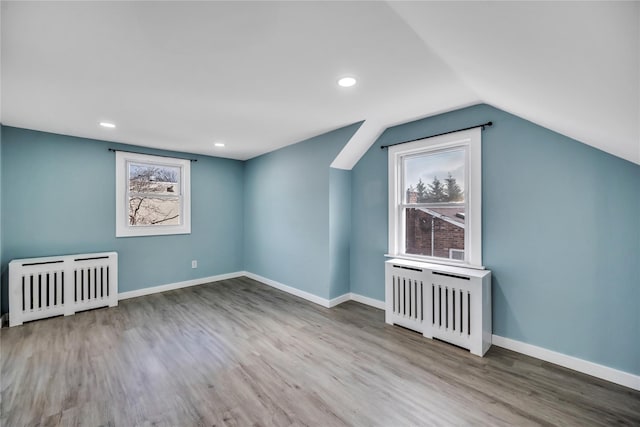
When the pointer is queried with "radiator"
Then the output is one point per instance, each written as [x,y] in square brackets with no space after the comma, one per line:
[63,285]
[451,304]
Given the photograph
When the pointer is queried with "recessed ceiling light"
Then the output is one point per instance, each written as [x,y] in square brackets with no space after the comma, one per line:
[107,125]
[219,144]
[347,82]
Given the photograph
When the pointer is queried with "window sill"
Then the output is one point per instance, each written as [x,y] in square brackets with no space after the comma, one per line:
[436,261]
[151,231]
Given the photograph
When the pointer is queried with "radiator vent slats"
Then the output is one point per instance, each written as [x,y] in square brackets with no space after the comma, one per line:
[41,291]
[45,290]
[455,276]
[407,298]
[451,310]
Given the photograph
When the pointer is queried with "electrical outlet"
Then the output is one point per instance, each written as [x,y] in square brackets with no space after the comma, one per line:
[194,263]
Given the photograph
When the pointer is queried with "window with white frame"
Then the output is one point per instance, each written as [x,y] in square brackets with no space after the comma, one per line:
[435,207]
[153,195]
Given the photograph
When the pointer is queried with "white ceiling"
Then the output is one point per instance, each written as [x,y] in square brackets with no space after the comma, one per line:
[262,75]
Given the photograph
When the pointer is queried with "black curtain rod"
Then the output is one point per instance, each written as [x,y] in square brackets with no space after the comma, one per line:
[157,155]
[439,134]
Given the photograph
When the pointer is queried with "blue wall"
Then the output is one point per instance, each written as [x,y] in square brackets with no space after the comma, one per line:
[287,210]
[339,231]
[561,233]
[58,197]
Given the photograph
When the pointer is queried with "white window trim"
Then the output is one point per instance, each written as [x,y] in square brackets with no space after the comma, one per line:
[123,229]
[472,141]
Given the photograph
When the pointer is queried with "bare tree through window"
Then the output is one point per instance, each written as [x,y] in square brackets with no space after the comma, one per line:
[154,195]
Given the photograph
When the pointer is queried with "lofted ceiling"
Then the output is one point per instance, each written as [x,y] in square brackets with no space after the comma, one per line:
[262,75]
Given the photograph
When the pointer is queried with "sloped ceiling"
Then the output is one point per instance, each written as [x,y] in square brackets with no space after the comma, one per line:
[572,67]
[262,75]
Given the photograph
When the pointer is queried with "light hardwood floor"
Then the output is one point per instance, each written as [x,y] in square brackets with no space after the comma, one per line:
[240,353]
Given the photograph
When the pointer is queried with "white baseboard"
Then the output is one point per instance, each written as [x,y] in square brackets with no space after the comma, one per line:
[314,298]
[599,371]
[294,291]
[368,301]
[177,285]
[339,300]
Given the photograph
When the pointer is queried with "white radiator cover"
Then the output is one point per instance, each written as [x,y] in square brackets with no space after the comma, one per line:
[452,304]
[62,285]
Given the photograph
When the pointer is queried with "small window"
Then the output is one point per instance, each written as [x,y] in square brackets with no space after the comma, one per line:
[434,199]
[152,195]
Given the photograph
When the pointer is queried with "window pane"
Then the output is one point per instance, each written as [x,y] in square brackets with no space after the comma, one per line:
[153,179]
[434,178]
[154,211]
[436,232]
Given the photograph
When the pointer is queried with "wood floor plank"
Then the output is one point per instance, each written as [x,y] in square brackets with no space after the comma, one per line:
[239,353]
